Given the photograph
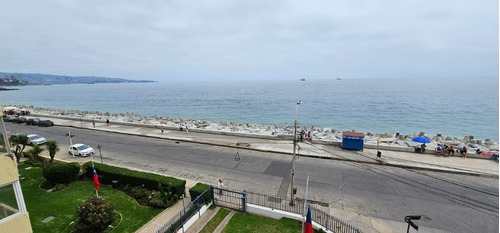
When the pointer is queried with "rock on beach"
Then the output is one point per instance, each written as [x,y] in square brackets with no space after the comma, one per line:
[322,134]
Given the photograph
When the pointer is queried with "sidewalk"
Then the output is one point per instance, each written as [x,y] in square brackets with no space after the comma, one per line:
[451,164]
[458,165]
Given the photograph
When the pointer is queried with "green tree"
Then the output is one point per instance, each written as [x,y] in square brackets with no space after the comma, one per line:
[35,153]
[53,148]
[19,143]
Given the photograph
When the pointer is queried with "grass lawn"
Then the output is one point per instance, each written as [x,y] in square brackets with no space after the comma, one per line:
[215,221]
[252,223]
[62,204]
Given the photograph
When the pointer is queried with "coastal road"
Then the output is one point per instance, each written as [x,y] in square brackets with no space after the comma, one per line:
[448,202]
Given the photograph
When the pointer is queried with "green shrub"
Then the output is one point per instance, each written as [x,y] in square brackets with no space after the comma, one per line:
[141,185]
[140,192]
[135,178]
[61,173]
[198,189]
[94,215]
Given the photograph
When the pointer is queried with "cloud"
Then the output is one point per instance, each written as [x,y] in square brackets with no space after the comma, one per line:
[250,39]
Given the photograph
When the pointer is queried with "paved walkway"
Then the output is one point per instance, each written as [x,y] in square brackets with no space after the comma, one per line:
[470,166]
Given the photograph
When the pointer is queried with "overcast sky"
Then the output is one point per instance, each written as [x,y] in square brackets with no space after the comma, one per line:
[205,40]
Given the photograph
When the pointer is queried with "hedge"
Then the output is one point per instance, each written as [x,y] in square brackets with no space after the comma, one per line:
[61,173]
[107,174]
[198,189]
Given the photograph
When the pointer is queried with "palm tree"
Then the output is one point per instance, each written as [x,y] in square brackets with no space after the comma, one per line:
[53,148]
[20,143]
[35,153]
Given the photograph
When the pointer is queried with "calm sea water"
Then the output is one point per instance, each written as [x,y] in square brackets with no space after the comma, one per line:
[453,107]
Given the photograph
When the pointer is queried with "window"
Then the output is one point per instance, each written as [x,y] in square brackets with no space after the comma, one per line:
[8,201]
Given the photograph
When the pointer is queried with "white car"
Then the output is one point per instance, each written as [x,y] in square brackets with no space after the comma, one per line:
[35,139]
[81,150]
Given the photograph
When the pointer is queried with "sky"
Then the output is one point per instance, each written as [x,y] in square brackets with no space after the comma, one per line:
[246,40]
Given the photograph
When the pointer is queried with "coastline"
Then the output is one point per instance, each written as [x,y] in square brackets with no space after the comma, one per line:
[319,135]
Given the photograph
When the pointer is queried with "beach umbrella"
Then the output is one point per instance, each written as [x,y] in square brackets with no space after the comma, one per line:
[420,139]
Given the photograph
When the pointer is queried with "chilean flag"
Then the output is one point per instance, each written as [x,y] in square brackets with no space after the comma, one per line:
[308,227]
[96,180]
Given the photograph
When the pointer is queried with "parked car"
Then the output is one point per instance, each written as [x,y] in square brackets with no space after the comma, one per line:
[81,150]
[8,118]
[45,123]
[19,120]
[33,121]
[36,139]
[32,138]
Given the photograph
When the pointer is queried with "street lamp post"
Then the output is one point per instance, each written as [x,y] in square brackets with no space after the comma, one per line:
[99,147]
[294,156]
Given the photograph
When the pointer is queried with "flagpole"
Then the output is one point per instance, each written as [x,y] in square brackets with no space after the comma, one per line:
[305,201]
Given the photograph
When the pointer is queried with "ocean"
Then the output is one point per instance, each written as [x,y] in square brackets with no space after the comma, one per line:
[455,107]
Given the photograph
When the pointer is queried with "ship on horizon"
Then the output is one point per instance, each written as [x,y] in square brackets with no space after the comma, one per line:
[303,79]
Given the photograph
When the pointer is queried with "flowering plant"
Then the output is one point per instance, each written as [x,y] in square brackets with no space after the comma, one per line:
[95,215]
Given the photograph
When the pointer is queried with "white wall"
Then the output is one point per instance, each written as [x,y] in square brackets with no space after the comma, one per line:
[278,214]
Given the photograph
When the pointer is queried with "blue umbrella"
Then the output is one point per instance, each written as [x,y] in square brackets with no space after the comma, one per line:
[420,139]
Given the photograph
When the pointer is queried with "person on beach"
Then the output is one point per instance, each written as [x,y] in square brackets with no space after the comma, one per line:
[422,148]
[107,122]
[161,129]
[464,152]
[221,186]
[438,150]
[494,157]
[451,149]
[180,128]
[93,123]
[187,130]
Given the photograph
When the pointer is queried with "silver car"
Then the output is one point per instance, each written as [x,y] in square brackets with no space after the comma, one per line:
[81,150]
[35,139]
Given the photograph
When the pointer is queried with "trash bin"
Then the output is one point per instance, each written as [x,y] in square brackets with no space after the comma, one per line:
[352,140]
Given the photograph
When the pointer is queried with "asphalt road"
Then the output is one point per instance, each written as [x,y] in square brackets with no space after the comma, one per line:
[448,202]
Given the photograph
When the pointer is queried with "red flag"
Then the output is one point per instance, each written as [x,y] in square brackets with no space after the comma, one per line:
[308,227]
[96,181]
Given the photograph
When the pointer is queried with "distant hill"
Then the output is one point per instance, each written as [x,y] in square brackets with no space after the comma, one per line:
[20,79]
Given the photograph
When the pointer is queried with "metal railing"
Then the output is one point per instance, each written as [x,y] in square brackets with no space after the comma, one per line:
[236,200]
[324,219]
[231,199]
[177,222]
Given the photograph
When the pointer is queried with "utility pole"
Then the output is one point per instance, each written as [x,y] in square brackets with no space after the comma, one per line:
[292,188]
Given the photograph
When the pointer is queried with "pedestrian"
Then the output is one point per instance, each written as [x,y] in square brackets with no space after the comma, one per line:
[464,152]
[221,185]
[451,149]
[187,130]
[161,128]
[93,123]
[107,122]
[438,150]
[494,157]
[422,148]
[180,127]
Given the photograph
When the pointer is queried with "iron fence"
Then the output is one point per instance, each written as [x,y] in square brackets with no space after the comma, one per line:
[177,222]
[228,198]
[324,219]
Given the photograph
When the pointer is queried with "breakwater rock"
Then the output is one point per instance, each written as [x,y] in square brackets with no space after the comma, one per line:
[323,134]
